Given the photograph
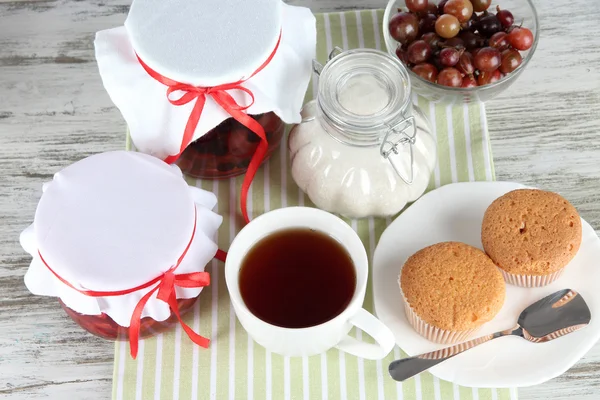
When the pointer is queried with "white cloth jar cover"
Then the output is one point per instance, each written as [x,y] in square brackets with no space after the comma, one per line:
[205,43]
[115,221]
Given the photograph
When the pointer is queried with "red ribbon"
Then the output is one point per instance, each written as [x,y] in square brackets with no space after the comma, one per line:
[166,292]
[228,103]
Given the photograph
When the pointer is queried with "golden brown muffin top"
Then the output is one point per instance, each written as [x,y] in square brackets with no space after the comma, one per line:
[531,232]
[453,286]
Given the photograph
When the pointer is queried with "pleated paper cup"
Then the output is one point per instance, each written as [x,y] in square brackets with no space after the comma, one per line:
[531,281]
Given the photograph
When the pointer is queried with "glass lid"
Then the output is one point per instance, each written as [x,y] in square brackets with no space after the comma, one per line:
[363,94]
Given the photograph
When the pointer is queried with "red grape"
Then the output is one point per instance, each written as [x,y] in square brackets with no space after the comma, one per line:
[489,25]
[461,9]
[505,17]
[436,62]
[417,5]
[472,40]
[449,57]
[427,23]
[426,71]
[455,42]
[432,39]
[418,51]
[499,40]
[488,77]
[520,38]
[450,77]
[469,81]
[487,59]
[441,6]
[447,26]
[465,63]
[470,25]
[401,54]
[432,8]
[404,27]
[475,20]
[481,5]
[511,59]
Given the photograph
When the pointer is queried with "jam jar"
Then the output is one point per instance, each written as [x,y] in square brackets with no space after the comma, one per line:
[363,149]
[226,150]
[112,235]
[182,96]
[105,327]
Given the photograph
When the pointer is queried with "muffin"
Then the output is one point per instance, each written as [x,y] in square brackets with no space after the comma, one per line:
[450,290]
[531,235]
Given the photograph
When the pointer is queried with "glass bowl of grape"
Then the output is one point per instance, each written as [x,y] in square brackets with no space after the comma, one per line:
[461,50]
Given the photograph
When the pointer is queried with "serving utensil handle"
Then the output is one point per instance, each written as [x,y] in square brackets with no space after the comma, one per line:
[405,368]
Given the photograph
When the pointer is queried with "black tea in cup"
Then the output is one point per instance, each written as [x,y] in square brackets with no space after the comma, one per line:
[297,278]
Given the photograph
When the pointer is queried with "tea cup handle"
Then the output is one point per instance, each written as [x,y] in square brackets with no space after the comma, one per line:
[376,329]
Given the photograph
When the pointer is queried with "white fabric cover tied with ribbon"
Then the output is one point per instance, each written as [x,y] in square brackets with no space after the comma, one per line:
[114,221]
[187,35]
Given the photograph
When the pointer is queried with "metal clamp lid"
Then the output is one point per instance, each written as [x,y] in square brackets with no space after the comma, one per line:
[318,67]
[396,137]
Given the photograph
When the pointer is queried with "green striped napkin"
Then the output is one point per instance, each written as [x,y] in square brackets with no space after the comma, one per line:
[170,366]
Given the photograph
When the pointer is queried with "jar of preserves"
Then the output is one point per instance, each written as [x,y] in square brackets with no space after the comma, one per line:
[102,325]
[209,84]
[363,149]
[122,241]
[226,151]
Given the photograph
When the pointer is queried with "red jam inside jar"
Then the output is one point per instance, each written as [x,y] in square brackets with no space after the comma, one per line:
[105,327]
[227,149]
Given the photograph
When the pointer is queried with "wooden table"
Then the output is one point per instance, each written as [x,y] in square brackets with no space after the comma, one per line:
[54,111]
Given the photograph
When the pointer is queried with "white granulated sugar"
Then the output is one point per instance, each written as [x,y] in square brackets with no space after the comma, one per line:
[358,182]
[363,94]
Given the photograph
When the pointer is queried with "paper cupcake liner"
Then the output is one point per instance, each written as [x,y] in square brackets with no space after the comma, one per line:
[530,281]
[431,332]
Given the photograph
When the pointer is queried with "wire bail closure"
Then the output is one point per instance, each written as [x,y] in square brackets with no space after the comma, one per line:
[397,136]
[318,67]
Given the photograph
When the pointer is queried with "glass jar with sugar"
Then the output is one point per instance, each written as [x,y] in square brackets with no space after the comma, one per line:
[363,149]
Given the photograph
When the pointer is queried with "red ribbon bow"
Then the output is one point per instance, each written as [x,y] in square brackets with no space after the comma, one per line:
[221,97]
[166,292]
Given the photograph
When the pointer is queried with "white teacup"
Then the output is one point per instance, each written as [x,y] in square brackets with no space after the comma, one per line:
[319,338]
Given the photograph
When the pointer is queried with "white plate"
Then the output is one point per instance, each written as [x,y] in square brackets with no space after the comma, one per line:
[454,212]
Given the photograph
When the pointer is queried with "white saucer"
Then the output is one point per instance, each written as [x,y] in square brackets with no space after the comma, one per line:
[454,212]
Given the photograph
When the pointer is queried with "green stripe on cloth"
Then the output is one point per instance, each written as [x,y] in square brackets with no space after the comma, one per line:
[169,366]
